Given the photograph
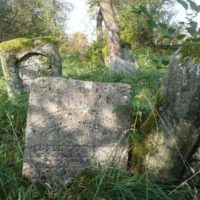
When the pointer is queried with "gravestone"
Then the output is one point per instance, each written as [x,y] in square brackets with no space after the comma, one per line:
[72,124]
[127,54]
[24,59]
[119,65]
[171,143]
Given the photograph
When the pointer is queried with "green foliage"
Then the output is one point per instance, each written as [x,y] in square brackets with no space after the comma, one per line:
[26,18]
[183,3]
[96,53]
[137,29]
[145,84]
[76,66]
[172,32]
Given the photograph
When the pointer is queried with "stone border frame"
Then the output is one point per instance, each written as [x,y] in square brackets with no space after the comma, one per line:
[10,60]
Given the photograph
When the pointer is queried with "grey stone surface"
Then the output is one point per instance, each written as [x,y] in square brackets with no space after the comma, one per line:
[195,166]
[71,124]
[33,66]
[22,66]
[173,131]
[127,54]
[119,65]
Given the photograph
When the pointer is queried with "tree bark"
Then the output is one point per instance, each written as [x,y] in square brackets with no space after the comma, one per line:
[112,28]
[99,27]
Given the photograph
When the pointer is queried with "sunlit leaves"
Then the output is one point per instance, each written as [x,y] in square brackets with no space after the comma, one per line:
[171,30]
[194,6]
[180,36]
[183,3]
[185,30]
[163,26]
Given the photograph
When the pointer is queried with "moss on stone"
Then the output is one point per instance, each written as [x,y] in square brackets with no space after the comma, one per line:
[139,151]
[148,128]
[191,50]
[141,147]
[24,43]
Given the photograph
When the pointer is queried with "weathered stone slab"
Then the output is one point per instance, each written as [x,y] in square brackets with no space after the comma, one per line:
[172,132]
[24,59]
[71,124]
[119,65]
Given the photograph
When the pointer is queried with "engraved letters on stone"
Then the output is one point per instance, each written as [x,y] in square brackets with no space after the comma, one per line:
[72,124]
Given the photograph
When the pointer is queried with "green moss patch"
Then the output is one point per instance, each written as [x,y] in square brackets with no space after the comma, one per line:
[191,50]
[24,43]
[141,138]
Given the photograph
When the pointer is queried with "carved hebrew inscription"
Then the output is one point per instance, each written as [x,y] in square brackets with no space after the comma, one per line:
[30,59]
[33,66]
[71,123]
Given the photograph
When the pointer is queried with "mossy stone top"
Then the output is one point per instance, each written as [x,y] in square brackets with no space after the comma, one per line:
[24,59]
[21,44]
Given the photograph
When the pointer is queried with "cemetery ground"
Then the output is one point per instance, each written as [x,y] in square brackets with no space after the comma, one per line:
[97,183]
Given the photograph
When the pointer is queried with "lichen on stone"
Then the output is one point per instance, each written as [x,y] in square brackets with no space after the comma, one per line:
[191,49]
[142,147]
[24,59]
[25,43]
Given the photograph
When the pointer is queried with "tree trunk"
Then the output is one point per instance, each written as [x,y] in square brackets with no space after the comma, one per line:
[112,28]
[99,27]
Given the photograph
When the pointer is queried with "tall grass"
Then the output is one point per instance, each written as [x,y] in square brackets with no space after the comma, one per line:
[94,183]
[116,184]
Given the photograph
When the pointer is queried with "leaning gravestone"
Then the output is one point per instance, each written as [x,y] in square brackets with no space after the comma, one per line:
[72,124]
[24,59]
[170,147]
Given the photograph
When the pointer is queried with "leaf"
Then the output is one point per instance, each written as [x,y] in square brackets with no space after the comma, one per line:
[171,30]
[191,31]
[135,103]
[182,23]
[143,9]
[175,46]
[165,61]
[183,3]
[193,25]
[152,22]
[195,39]
[181,36]
[167,36]
[193,6]
[163,26]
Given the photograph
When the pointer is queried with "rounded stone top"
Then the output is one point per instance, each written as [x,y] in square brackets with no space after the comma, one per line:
[24,44]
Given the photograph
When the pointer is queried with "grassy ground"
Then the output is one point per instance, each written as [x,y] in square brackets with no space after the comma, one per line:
[95,183]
